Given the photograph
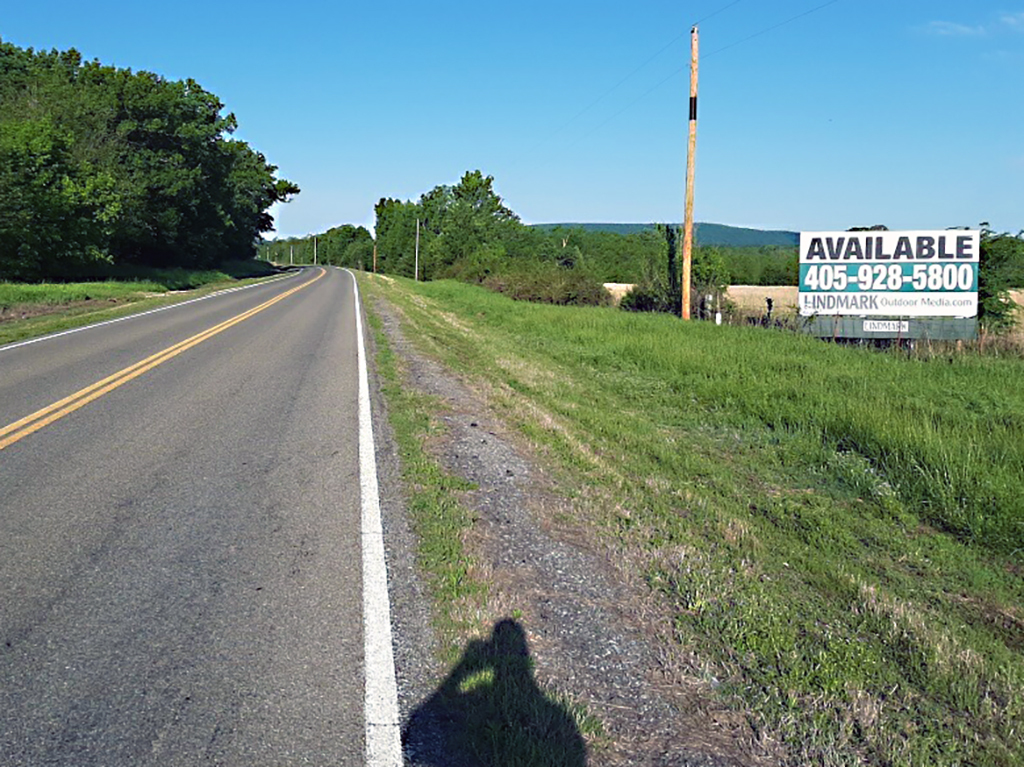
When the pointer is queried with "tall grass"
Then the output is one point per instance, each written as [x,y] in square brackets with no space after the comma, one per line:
[946,435]
[55,294]
[33,309]
[838,532]
[123,283]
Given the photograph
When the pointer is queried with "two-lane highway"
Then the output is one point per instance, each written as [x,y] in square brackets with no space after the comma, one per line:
[180,564]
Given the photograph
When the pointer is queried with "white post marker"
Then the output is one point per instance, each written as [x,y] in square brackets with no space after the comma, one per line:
[383,737]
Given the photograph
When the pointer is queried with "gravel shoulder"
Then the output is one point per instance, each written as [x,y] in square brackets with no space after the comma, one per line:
[594,633]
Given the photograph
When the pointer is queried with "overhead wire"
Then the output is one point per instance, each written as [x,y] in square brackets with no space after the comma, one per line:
[607,92]
[679,71]
[602,96]
[770,29]
[712,15]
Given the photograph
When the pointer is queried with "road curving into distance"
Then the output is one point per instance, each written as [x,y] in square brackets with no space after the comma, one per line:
[180,564]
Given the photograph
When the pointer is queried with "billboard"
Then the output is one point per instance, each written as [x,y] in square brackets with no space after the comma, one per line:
[890,274]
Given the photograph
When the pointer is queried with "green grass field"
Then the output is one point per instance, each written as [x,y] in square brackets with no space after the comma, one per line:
[16,294]
[838,533]
[31,309]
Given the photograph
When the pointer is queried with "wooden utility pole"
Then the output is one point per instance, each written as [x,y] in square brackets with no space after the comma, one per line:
[374,256]
[691,156]
[314,251]
[417,267]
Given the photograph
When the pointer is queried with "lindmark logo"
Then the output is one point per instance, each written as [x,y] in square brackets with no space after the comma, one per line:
[831,301]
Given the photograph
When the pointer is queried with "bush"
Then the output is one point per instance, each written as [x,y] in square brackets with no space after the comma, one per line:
[1001,268]
[766,265]
[477,267]
[781,272]
[651,298]
[708,276]
[548,284]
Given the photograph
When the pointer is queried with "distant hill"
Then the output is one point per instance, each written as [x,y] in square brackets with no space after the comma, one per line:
[705,234]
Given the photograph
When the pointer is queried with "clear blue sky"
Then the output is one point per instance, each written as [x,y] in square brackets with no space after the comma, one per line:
[903,112]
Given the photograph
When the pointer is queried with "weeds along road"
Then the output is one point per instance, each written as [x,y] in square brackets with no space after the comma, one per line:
[180,555]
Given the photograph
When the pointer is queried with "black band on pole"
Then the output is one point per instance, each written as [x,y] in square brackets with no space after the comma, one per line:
[693,107]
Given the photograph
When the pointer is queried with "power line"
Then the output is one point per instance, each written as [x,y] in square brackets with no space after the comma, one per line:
[629,106]
[712,15]
[772,28]
[602,96]
[679,71]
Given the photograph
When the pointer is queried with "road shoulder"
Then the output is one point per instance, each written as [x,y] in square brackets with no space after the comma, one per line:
[594,634]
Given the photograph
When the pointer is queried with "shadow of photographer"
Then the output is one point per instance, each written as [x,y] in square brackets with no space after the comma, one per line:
[490,711]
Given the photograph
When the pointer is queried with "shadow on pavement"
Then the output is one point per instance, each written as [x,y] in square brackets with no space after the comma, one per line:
[490,711]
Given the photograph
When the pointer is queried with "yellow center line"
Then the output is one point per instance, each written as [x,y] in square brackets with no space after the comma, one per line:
[32,423]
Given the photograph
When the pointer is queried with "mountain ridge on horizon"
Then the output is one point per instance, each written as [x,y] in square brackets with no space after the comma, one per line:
[704,233]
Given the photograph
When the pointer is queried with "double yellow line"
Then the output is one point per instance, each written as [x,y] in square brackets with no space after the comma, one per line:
[32,423]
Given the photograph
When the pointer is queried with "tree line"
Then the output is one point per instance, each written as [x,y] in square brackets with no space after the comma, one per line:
[101,165]
[1000,271]
[465,231]
[345,245]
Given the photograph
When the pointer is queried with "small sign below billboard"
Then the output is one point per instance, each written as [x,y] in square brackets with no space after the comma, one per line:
[886,326]
[890,274]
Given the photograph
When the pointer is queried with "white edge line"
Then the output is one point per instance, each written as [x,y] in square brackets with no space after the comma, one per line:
[50,336]
[383,736]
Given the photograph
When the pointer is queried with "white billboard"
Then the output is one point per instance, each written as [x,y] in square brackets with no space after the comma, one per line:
[890,274]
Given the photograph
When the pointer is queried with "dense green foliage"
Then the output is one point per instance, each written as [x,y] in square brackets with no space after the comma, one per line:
[459,226]
[466,232]
[119,283]
[764,265]
[720,235]
[100,164]
[661,290]
[836,534]
[347,245]
[1002,268]
[548,284]
[28,310]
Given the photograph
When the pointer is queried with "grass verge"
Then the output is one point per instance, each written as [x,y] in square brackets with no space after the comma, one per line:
[28,310]
[439,520]
[504,717]
[837,532]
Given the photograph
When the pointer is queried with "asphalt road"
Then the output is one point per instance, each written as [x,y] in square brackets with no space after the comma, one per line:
[180,576]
